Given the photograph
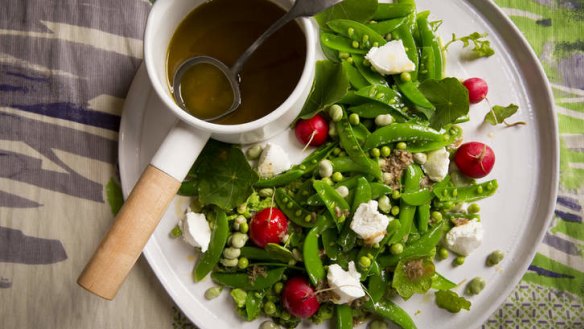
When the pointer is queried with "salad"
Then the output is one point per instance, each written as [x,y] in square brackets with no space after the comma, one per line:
[389,186]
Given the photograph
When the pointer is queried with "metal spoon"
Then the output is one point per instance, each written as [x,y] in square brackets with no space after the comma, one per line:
[301,8]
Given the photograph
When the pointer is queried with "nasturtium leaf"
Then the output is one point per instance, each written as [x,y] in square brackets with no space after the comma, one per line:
[225,177]
[330,84]
[498,114]
[450,301]
[413,276]
[357,10]
[450,98]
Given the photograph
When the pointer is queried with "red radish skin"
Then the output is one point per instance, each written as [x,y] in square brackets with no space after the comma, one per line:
[475,159]
[299,299]
[477,89]
[313,131]
[268,225]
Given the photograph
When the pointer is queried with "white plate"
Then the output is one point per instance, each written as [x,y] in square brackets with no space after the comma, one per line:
[515,218]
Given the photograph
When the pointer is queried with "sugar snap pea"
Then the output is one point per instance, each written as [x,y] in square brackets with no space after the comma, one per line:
[362,193]
[311,257]
[379,189]
[356,31]
[344,317]
[260,254]
[423,215]
[405,35]
[419,248]
[333,201]
[211,257]
[388,310]
[278,252]
[247,282]
[329,242]
[294,211]
[373,77]
[441,283]
[377,285]
[431,41]
[351,145]
[340,43]
[449,137]
[418,198]
[370,110]
[346,164]
[356,79]
[393,10]
[413,176]
[414,95]
[387,26]
[402,132]
[469,193]
[253,302]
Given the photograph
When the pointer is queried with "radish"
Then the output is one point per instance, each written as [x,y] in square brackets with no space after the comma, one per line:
[474,159]
[477,89]
[299,298]
[313,131]
[268,225]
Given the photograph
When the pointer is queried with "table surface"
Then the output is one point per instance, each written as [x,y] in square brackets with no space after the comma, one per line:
[65,68]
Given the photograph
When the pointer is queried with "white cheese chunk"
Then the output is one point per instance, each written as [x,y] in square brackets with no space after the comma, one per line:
[369,223]
[390,58]
[196,230]
[345,284]
[464,239]
[436,165]
[273,161]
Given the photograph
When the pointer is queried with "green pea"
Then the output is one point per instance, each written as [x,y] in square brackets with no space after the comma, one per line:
[376,44]
[437,216]
[343,55]
[242,208]
[495,258]
[285,316]
[375,152]
[480,190]
[459,260]
[396,248]
[335,112]
[278,287]
[349,60]
[385,151]
[269,325]
[332,129]
[395,195]
[269,308]
[473,208]
[239,296]
[336,151]
[243,227]
[365,262]
[388,37]
[405,76]
[242,263]
[401,146]
[213,292]
[328,181]
[176,232]
[337,177]
[442,253]
[475,286]
[395,210]
[254,152]
[350,31]
[354,119]
[355,44]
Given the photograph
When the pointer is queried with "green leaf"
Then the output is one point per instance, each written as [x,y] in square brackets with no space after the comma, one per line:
[481,46]
[331,83]
[225,177]
[449,97]
[413,276]
[357,10]
[114,196]
[498,114]
[450,301]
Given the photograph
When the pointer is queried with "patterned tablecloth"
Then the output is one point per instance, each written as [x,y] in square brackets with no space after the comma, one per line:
[65,67]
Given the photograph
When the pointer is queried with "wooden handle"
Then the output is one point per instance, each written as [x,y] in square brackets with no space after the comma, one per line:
[132,227]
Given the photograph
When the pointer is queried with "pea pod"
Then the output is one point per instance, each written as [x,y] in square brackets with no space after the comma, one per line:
[469,193]
[362,193]
[418,198]
[393,10]
[402,132]
[280,180]
[356,79]
[370,110]
[412,180]
[383,95]
[441,283]
[211,257]
[379,189]
[390,311]
[296,213]
[346,164]
[414,95]
[254,253]
[387,26]
[449,137]
[419,248]
[371,76]
[427,64]
[405,35]
[279,253]
[335,204]
[253,302]
[329,242]
[356,31]
[423,214]
[377,286]
[340,43]
[351,145]
[246,282]
[431,41]
[311,255]
[344,317]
